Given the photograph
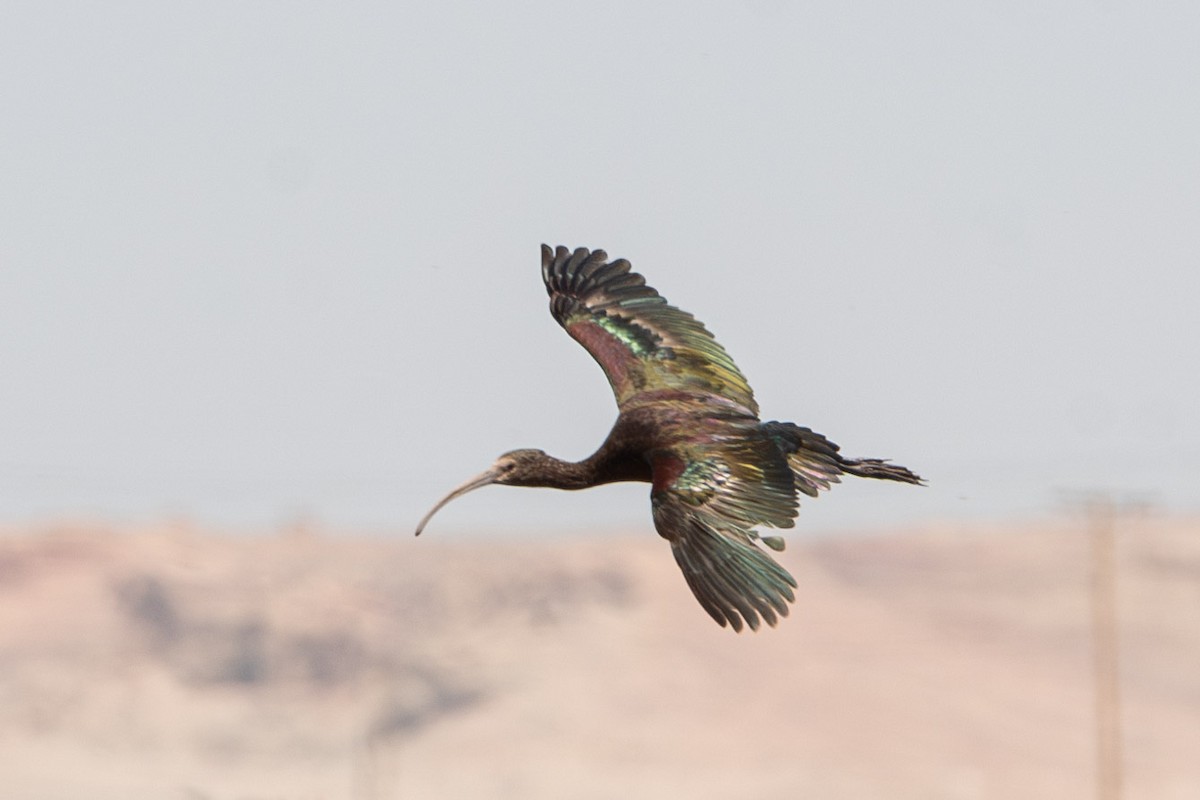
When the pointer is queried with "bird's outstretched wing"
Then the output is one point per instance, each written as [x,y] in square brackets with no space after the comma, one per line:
[640,341]
[706,504]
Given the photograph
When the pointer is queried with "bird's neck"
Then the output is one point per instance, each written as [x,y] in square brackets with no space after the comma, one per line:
[559,474]
[599,468]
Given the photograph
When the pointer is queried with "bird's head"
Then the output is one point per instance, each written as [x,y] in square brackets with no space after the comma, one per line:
[520,467]
[514,468]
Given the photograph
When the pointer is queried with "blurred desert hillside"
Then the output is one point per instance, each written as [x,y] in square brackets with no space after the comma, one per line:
[947,662]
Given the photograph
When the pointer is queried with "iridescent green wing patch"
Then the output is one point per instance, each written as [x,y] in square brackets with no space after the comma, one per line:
[707,500]
[639,339]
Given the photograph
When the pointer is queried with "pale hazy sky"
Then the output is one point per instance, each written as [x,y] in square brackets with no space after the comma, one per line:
[261,260]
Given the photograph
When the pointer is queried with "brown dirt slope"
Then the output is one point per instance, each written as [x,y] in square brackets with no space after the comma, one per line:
[939,663]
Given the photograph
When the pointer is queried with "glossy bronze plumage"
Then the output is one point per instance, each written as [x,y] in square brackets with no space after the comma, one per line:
[688,425]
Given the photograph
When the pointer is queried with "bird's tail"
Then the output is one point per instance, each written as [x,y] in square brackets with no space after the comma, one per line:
[879,468]
[816,463]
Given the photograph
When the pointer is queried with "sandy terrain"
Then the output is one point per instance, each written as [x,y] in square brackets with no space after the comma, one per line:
[939,663]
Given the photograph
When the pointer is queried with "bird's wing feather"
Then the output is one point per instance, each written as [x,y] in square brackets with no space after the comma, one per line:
[814,460]
[817,462]
[641,342]
[706,504]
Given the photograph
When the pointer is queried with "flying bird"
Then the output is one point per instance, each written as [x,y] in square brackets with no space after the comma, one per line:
[688,425]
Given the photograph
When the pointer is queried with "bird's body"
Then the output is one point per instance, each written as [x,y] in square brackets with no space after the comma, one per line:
[688,425]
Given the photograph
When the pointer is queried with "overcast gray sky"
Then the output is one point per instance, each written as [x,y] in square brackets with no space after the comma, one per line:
[261,260]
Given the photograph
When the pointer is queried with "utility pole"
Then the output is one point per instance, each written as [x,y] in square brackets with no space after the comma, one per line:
[1101,513]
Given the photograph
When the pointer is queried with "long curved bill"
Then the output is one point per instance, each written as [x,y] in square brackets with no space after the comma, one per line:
[483,479]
